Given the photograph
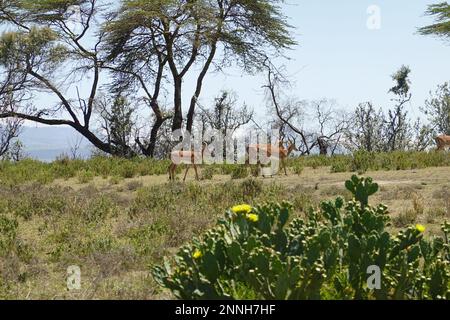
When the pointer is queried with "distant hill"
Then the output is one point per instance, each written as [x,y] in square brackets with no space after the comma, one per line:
[47,143]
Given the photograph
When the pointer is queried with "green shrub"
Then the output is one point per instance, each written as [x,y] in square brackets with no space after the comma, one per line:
[362,161]
[127,169]
[251,188]
[85,176]
[239,172]
[340,166]
[255,253]
[255,170]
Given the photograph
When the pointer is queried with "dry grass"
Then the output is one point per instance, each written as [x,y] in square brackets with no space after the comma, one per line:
[114,230]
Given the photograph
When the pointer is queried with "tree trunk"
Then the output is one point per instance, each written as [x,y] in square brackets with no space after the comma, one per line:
[150,151]
[178,116]
[323,146]
[105,147]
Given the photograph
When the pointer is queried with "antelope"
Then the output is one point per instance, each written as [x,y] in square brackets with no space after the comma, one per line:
[283,153]
[183,155]
[442,142]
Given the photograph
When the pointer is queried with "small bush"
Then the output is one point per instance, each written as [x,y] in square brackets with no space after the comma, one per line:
[127,170]
[8,234]
[362,161]
[85,176]
[340,166]
[239,172]
[251,188]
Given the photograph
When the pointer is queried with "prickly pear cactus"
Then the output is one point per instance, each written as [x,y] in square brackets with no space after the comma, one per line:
[361,188]
[260,252]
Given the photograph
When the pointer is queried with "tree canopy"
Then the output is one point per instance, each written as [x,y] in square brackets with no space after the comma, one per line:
[133,47]
[441,27]
[168,37]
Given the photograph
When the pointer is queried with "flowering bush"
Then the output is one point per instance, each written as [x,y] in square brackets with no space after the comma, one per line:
[253,253]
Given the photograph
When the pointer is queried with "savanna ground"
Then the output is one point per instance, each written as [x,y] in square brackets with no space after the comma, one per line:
[114,221]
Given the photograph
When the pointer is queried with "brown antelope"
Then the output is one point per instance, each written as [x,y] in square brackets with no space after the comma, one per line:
[190,156]
[442,142]
[283,153]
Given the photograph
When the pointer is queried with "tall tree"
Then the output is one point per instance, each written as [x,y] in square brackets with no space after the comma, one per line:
[47,53]
[441,27]
[158,42]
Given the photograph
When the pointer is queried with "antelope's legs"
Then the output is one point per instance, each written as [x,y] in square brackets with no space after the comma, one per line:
[196,173]
[185,175]
[284,166]
[172,169]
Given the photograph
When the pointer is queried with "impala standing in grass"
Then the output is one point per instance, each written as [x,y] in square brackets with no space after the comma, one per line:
[190,158]
[280,151]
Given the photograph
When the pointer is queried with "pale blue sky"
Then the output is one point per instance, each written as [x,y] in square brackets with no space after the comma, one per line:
[339,57]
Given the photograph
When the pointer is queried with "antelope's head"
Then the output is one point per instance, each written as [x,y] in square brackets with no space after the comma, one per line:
[291,147]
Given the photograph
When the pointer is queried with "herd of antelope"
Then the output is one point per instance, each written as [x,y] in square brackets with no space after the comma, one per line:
[281,152]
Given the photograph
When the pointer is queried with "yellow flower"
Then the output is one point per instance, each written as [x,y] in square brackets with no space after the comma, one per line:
[242,208]
[252,217]
[197,254]
[420,228]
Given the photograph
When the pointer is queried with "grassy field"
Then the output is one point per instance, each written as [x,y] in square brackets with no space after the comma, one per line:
[116,218]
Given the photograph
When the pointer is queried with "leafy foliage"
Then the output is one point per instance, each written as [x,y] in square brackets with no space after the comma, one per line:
[441,27]
[437,108]
[254,253]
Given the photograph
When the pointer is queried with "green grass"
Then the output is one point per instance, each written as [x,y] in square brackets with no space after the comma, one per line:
[85,170]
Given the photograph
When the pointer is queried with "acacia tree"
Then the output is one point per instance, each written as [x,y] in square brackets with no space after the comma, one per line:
[44,53]
[156,43]
[441,27]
